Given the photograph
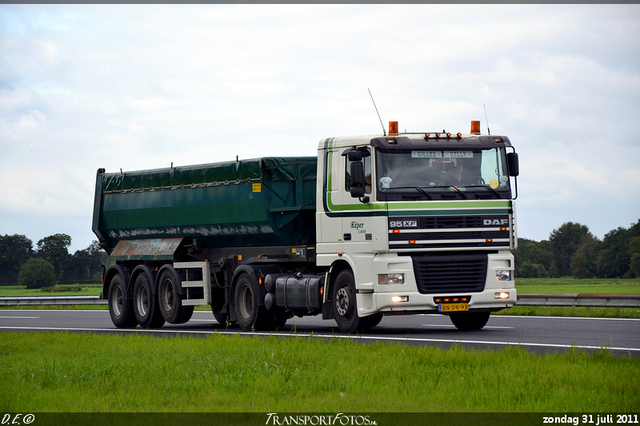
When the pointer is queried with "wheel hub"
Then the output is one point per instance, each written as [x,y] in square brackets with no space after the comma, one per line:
[342,301]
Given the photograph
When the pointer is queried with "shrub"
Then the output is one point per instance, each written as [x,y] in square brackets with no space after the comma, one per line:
[37,273]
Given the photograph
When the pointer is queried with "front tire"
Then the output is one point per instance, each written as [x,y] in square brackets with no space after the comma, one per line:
[120,308]
[345,310]
[469,321]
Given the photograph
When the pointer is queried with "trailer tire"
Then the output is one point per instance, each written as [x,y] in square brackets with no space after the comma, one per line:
[145,305]
[169,299]
[469,321]
[345,310]
[250,315]
[120,307]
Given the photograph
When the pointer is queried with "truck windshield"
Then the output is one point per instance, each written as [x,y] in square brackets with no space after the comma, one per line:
[438,174]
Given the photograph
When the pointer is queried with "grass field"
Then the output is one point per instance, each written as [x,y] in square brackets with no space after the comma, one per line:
[66,372]
[59,290]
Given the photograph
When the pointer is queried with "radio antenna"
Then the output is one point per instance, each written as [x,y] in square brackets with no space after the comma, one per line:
[486,118]
[374,105]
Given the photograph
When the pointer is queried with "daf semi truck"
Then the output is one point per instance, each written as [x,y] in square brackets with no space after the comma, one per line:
[387,224]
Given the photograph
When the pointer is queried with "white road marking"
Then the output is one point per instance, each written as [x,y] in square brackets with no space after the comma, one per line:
[11,317]
[339,336]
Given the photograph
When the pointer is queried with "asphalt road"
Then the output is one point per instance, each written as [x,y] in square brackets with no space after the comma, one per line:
[537,334]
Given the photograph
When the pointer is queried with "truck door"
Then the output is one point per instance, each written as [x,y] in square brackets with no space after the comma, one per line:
[356,194]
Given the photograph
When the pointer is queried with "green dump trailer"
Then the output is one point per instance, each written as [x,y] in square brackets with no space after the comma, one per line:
[259,202]
[164,228]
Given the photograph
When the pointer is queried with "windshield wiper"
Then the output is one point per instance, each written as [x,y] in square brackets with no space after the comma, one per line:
[486,187]
[421,190]
[456,189]
[453,188]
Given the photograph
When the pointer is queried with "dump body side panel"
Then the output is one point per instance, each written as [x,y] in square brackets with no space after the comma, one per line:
[266,201]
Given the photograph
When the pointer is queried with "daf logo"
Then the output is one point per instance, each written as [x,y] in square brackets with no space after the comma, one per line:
[494,222]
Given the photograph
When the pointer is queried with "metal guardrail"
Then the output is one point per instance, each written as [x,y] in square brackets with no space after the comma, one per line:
[526,299]
[580,299]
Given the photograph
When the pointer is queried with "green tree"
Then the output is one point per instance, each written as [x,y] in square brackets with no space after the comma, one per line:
[604,264]
[15,250]
[583,261]
[54,249]
[84,265]
[531,270]
[565,242]
[617,242]
[37,273]
[580,266]
[634,252]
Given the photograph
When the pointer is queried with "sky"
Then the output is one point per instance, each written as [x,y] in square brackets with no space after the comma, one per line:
[135,87]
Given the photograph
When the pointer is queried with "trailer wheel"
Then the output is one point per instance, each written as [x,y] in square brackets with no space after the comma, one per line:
[250,315]
[469,321]
[145,304]
[170,301]
[120,308]
[345,310]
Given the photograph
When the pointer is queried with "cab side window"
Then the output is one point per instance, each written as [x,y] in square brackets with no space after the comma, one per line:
[367,173]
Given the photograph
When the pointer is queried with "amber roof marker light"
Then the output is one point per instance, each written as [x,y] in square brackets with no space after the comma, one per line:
[475,127]
[393,128]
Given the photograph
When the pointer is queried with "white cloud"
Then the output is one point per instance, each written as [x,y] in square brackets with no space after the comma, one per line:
[140,86]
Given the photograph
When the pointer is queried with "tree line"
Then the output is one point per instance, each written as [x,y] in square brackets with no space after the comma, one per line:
[572,250]
[50,257]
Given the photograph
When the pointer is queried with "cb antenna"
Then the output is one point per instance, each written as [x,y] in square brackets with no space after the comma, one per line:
[374,105]
[486,118]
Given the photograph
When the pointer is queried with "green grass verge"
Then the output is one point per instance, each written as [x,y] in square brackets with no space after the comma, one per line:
[58,290]
[571,311]
[67,372]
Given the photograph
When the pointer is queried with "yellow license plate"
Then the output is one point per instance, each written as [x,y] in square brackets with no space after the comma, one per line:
[453,307]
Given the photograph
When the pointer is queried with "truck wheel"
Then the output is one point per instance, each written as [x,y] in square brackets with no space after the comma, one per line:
[469,321]
[250,315]
[145,304]
[120,308]
[279,319]
[170,301]
[217,305]
[372,320]
[345,310]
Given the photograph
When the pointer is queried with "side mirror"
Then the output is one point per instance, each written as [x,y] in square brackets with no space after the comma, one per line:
[513,164]
[353,154]
[357,179]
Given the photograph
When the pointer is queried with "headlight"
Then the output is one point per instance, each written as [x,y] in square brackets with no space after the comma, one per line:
[392,279]
[504,275]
